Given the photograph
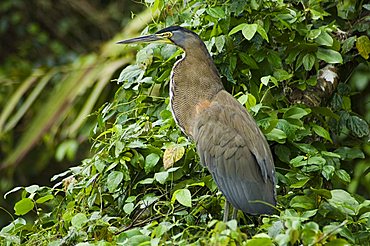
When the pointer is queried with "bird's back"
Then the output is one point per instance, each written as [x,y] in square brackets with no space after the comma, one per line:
[236,153]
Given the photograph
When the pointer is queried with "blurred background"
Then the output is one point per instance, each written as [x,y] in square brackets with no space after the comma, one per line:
[51,80]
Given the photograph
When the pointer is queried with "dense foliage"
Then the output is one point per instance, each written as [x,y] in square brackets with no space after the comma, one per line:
[144,184]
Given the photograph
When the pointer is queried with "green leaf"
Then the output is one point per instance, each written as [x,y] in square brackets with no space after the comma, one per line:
[216,12]
[296,113]
[262,32]
[23,206]
[276,135]
[300,183]
[265,79]
[328,172]
[249,30]
[317,160]
[308,61]
[338,242]
[183,196]
[128,208]
[130,74]
[329,56]
[363,46]
[304,202]
[324,39]
[45,198]
[114,180]
[348,44]
[343,175]
[281,75]
[161,177]
[220,42]
[314,33]
[349,153]
[246,59]
[306,148]
[79,220]
[260,242]
[358,126]
[322,132]
[237,29]
[151,161]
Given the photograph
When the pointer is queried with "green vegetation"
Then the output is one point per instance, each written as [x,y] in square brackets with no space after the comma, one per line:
[144,185]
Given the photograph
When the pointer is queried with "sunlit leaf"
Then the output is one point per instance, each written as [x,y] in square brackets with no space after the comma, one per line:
[23,206]
[183,196]
[114,180]
[329,56]
[79,220]
[151,161]
[322,132]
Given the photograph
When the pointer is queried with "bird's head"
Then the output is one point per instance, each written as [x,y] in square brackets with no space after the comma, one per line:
[176,35]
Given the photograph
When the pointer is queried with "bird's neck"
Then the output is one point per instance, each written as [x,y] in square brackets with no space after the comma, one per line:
[194,80]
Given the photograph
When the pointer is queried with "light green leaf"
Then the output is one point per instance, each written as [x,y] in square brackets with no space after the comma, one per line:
[237,29]
[216,12]
[262,32]
[151,161]
[265,79]
[276,135]
[322,132]
[79,220]
[324,39]
[343,175]
[220,42]
[23,206]
[304,202]
[161,177]
[296,113]
[183,196]
[45,198]
[281,74]
[300,183]
[249,30]
[114,179]
[128,208]
[328,172]
[317,160]
[260,242]
[329,56]
[314,33]
[308,61]
[348,44]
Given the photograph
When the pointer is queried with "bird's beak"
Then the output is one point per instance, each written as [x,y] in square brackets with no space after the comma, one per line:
[148,38]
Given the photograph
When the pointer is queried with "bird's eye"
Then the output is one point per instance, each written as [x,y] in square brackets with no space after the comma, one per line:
[166,34]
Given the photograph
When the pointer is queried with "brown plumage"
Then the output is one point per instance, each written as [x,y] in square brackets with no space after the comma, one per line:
[228,140]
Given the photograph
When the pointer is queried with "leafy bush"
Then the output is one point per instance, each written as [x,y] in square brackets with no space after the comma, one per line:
[144,184]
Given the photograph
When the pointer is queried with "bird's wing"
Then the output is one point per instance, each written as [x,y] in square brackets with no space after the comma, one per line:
[236,153]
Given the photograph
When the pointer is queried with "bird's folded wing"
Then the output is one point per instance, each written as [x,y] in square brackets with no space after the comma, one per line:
[235,151]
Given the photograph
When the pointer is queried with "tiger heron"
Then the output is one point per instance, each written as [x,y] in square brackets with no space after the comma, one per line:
[227,138]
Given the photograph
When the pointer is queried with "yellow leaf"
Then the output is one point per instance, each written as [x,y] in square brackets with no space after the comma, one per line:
[363,46]
[171,155]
